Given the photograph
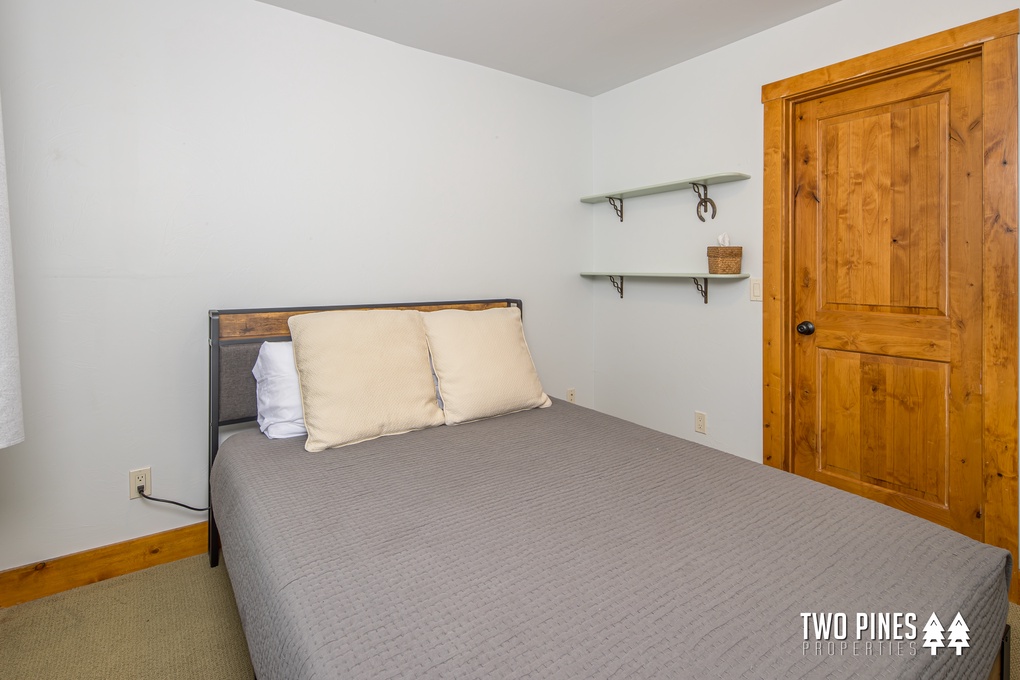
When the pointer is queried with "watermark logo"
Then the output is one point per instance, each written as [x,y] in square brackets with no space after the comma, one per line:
[880,633]
[934,634]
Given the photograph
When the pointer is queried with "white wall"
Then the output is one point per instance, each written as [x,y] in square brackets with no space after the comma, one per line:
[170,157]
[660,353]
[173,156]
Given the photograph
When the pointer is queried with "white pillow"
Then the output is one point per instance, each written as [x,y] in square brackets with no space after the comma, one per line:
[483,363]
[277,391]
[363,374]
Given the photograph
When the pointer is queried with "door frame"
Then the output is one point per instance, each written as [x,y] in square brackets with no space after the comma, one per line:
[995,39]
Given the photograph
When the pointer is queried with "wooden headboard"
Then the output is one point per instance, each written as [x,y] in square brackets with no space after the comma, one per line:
[235,336]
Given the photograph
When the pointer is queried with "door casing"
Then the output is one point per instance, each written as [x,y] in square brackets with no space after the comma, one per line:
[996,38]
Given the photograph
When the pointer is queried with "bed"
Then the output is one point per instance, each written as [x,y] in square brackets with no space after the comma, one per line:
[561,542]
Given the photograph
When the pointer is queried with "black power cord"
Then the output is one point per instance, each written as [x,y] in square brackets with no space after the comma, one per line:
[141,492]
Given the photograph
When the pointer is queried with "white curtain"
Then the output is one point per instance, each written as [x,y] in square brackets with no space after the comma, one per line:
[12,431]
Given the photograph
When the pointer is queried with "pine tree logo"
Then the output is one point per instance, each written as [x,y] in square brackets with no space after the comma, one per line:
[958,634]
[933,630]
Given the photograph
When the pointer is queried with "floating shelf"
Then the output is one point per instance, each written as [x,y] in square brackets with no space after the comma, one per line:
[615,198]
[700,279]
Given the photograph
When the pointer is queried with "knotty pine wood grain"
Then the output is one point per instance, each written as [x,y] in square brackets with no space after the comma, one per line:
[995,37]
[930,465]
[875,63]
[777,314]
[257,324]
[33,581]
[964,201]
[999,360]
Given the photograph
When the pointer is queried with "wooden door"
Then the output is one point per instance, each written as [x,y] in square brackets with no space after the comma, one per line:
[888,220]
[907,392]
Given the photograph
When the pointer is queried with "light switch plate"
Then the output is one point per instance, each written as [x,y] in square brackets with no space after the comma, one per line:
[756,290]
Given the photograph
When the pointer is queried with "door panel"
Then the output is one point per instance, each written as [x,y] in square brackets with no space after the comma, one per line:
[887,261]
[891,411]
[883,231]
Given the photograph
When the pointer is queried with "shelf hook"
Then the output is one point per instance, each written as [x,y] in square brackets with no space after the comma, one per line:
[618,207]
[704,202]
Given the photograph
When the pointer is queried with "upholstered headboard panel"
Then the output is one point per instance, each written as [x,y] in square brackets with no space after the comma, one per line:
[237,384]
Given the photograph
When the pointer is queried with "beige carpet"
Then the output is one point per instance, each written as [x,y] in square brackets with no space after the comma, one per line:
[173,621]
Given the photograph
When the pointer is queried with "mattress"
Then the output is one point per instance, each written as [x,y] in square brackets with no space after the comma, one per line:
[564,543]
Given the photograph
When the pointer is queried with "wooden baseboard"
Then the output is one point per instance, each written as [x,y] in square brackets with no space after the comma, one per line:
[32,581]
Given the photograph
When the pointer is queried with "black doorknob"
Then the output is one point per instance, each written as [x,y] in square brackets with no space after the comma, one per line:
[805,328]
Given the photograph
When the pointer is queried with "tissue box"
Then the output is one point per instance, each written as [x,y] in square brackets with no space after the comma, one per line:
[724,259]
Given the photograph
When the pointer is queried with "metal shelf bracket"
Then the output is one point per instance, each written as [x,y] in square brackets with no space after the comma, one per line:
[617,286]
[701,289]
[618,207]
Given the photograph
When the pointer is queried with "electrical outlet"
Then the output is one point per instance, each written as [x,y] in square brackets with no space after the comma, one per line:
[572,395]
[700,424]
[140,478]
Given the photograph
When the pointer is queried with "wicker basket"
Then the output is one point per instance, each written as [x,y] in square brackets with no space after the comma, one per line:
[724,259]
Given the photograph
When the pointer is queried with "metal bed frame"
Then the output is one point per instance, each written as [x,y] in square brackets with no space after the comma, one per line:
[240,332]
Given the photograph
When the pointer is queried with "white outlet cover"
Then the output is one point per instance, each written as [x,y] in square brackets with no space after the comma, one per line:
[134,477]
[700,422]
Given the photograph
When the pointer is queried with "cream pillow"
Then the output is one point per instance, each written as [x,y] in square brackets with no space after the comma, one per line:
[363,374]
[483,363]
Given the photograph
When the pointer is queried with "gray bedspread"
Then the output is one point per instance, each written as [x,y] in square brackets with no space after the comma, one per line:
[564,543]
